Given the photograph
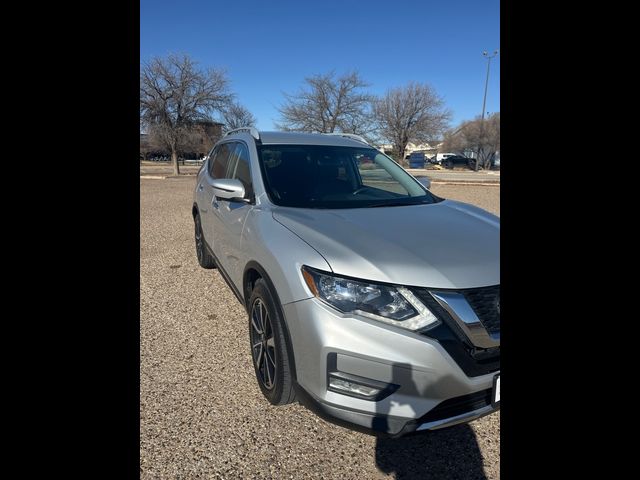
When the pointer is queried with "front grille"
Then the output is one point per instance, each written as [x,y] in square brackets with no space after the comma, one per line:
[484,302]
[473,361]
[457,406]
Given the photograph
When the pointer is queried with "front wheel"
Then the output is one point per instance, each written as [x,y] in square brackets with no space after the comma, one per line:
[271,360]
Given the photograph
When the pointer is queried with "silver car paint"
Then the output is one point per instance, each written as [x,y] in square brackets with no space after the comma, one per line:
[280,252]
[203,197]
[284,138]
[226,188]
[446,245]
[248,233]
[378,351]
[442,245]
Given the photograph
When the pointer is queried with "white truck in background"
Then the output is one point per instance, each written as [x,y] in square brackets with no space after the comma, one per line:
[440,157]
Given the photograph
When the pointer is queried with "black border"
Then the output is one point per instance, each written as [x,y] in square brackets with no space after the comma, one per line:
[554,204]
[87,261]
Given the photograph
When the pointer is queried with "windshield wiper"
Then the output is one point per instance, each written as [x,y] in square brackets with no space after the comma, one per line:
[397,204]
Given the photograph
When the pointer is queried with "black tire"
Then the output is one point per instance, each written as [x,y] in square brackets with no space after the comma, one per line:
[448,164]
[274,375]
[205,259]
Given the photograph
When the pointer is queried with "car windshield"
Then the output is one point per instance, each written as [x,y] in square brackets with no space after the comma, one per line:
[320,176]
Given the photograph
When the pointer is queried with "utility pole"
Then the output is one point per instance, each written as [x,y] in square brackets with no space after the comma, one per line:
[486,55]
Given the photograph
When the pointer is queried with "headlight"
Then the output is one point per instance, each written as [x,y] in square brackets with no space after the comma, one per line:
[389,304]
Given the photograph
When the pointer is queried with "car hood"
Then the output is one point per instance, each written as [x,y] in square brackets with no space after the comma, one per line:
[443,245]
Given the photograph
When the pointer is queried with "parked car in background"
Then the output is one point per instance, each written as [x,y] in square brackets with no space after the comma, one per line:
[416,160]
[438,158]
[368,298]
[457,161]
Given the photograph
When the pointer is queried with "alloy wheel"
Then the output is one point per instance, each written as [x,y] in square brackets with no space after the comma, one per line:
[263,346]
[199,244]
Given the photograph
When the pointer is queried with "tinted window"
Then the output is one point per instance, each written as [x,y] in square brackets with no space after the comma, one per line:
[220,163]
[375,176]
[243,170]
[233,159]
[207,161]
[211,159]
[319,176]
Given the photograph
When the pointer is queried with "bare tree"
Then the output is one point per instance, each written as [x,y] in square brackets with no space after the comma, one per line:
[489,143]
[454,140]
[483,138]
[197,142]
[236,116]
[328,104]
[145,146]
[174,94]
[414,113]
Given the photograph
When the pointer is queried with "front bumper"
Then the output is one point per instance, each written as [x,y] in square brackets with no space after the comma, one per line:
[425,374]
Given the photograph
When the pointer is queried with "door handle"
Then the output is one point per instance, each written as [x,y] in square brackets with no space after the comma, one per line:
[200,187]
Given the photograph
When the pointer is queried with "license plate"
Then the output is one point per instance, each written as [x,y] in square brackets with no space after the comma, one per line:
[496,390]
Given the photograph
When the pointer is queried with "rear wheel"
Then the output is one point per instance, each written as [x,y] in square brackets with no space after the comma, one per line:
[271,360]
[205,259]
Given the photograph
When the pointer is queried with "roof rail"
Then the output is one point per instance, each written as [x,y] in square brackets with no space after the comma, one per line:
[254,133]
[353,136]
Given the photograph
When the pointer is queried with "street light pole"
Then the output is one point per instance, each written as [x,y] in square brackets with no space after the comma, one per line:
[486,83]
[486,55]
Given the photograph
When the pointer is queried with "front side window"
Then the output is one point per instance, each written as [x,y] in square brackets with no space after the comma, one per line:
[320,176]
[242,170]
[220,163]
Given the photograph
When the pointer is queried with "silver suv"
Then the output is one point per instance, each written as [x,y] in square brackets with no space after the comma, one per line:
[369,299]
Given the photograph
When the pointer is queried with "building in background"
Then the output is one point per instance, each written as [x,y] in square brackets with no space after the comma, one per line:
[207,135]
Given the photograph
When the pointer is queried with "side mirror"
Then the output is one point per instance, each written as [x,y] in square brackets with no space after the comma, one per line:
[228,189]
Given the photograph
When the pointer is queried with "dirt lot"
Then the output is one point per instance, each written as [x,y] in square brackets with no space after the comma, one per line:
[159,169]
[201,412]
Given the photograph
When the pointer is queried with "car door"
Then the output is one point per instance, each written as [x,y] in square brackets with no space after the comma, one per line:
[231,215]
[202,194]
[217,168]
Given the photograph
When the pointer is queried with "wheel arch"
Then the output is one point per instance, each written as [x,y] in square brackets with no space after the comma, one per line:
[252,272]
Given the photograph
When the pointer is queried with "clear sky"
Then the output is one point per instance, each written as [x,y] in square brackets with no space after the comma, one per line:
[269,47]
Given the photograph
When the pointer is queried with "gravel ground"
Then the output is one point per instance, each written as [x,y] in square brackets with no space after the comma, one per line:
[487,197]
[201,412]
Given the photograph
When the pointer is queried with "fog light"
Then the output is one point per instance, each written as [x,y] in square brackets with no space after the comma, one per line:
[354,385]
[346,386]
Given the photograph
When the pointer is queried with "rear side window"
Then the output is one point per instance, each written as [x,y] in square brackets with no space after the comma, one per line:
[220,164]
